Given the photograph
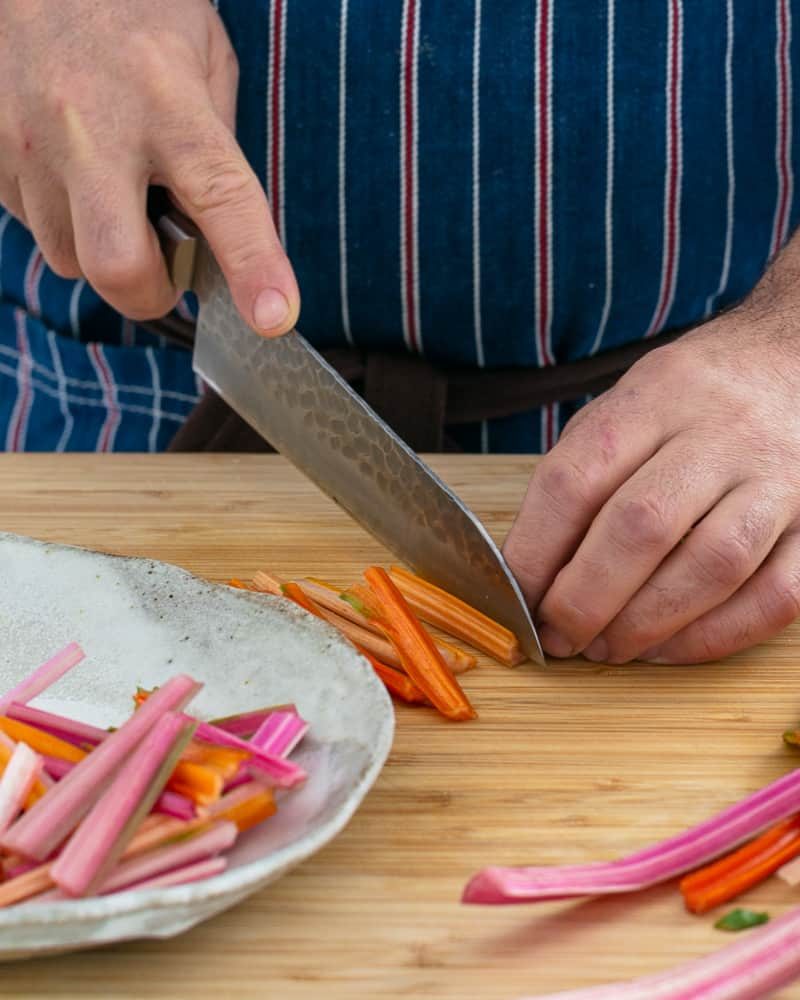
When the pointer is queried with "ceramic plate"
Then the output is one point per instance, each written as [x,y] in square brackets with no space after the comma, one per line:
[141,622]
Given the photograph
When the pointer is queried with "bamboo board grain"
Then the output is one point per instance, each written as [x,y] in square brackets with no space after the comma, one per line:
[566,764]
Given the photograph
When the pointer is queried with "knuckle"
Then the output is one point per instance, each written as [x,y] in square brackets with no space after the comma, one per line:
[640,523]
[578,623]
[215,184]
[723,561]
[783,597]
[152,60]
[566,484]
[666,363]
[119,272]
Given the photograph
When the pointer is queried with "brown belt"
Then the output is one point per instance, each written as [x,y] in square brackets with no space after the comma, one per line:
[416,398]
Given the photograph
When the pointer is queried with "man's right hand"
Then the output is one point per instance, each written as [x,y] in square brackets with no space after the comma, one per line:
[99,102]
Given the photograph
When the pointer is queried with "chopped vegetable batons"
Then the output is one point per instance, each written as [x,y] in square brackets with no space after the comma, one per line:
[153,803]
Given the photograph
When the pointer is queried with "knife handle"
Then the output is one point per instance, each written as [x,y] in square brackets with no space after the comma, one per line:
[178,237]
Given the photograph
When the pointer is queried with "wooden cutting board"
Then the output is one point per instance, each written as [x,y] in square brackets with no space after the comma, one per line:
[573,763]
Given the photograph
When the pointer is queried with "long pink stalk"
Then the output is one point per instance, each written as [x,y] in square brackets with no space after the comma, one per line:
[280,733]
[644,868]
[170,803]
[56,814]
[105,832]
[215,839]
[17,781]
[182,876]
[43,676]
[79,733]
[750,969]
[246,723]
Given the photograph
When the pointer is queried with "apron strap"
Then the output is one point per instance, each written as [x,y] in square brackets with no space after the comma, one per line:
[417,399]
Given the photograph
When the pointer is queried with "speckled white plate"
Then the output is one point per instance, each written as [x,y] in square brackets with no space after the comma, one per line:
[140,622]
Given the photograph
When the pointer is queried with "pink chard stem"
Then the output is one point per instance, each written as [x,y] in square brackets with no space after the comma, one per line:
[169,803]
[753,968]
[246,723]
[280,733]
[105,832]
[648,867]
[43,676]
[185,851]
[269,767]
[182,876]
[43,827]
[79,733]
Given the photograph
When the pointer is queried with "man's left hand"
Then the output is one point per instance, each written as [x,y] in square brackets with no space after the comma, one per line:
[665,524]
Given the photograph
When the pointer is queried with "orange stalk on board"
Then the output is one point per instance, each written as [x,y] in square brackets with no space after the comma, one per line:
[397,682]
[419,656]
[457,618]
[357,627]
[745,867]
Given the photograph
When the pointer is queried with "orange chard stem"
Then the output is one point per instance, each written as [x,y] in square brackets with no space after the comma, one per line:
[226,760]
[251,812]
[736,859]
[704,896]
[419,656]
[331,600]
[266,584]
[457,660]
[198,782]
[457,618]
[238,584]
[373,644]
[40,741]
[397,683]
[361,637]
[296,593]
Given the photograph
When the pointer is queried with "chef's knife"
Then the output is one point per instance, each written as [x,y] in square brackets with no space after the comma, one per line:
[295,400]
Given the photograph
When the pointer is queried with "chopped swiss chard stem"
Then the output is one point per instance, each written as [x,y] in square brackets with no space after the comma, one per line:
[45,675]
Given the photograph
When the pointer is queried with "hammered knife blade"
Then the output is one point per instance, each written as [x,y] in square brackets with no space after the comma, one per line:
[298,403]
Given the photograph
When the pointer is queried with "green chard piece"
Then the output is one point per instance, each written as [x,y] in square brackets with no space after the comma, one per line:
[741,920]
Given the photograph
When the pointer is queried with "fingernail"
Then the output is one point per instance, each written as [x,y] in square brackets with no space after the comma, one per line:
[652,656]
[271,310]
[596,651]
[554,643]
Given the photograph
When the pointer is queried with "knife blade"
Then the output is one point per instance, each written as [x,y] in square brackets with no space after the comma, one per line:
[298,403]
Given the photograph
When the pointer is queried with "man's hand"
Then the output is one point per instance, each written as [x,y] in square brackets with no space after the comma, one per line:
[665,524]
[102,100]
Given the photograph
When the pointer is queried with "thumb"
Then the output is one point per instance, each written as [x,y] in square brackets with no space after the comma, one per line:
[218,190]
